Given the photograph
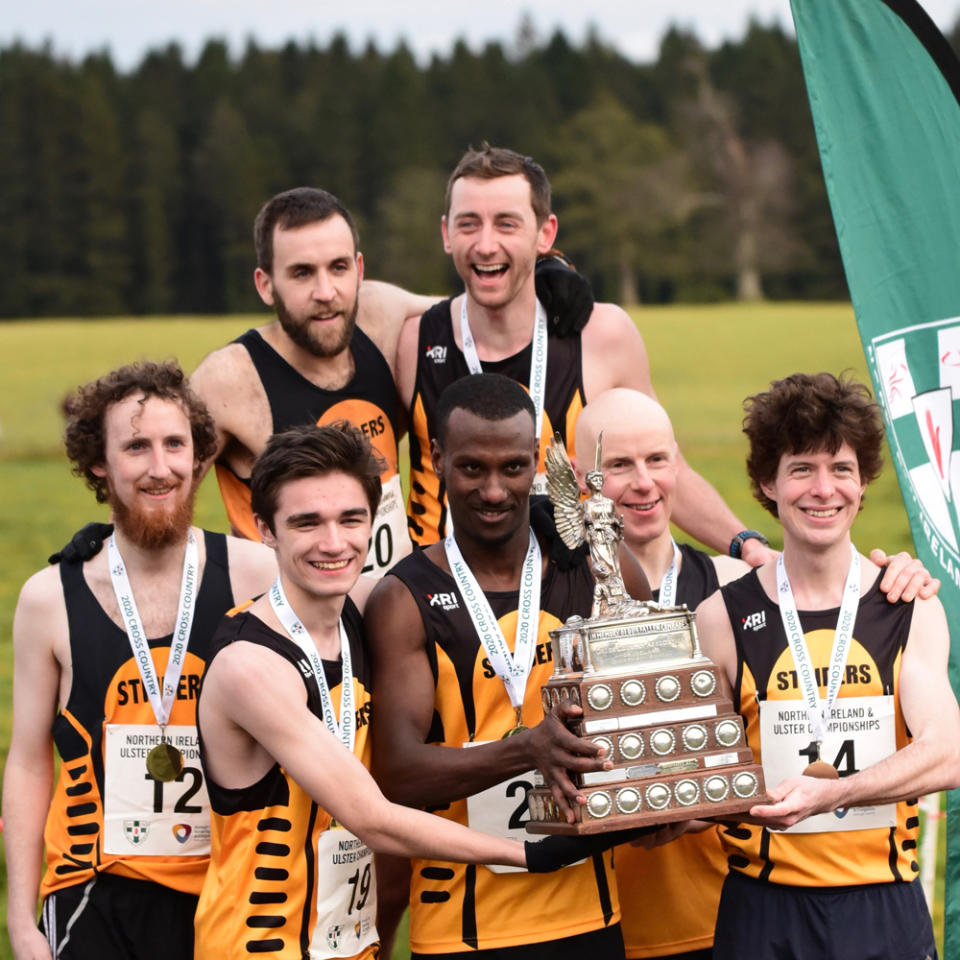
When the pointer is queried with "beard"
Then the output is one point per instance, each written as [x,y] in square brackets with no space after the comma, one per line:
[156,527]
[299,331]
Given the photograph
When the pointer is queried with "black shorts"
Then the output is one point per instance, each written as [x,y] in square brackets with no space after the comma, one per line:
[115,918]
[603,944]
[770,921]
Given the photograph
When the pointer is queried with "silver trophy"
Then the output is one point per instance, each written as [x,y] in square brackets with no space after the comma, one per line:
[649,695]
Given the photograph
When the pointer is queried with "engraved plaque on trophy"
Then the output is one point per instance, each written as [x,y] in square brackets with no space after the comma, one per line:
[648,694]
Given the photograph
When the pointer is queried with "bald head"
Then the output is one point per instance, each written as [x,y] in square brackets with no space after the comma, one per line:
[639,460]
[619,413]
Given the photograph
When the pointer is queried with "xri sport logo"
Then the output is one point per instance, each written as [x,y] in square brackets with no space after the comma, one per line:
[445,601]
[437,354]
[920,376]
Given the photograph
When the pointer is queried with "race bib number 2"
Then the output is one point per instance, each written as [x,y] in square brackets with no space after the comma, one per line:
[862,732]
[501,810]
[147,817]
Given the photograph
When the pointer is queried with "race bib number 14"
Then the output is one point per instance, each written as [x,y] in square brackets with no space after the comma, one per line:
[861,732]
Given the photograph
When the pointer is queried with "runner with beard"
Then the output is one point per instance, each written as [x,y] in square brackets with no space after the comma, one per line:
[108,655]
[328,356]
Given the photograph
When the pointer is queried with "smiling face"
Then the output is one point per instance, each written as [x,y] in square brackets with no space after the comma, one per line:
[817,495]
[493,236]
[487,467]
[149,467]
[640,476]
[322,529]
[314,284]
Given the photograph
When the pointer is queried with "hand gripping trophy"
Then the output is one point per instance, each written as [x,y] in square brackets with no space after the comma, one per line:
[649,695]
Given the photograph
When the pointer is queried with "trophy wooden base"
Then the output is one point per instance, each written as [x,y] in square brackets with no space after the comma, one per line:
[649,801]
[678,748]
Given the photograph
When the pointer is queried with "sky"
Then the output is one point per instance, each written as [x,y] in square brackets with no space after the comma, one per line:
[128,28]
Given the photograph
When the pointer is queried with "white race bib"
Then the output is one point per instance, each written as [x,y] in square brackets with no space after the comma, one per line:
[146,817]
[346,896]
[501,810]
[390,536]
[861,732]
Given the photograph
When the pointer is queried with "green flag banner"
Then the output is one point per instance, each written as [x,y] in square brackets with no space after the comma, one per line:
[884,89]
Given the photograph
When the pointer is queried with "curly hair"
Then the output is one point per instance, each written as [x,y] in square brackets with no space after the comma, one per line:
[310,451]
[85,410]
[804,413]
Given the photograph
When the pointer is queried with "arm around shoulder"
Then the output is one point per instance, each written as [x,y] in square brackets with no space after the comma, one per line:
[614,354]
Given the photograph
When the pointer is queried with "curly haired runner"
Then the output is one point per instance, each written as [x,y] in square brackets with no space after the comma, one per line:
[108,655]
[844,695]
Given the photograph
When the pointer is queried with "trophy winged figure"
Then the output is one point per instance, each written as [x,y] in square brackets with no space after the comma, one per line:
[593,519]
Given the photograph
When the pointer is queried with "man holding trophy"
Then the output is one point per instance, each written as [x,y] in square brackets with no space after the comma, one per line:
[460,648]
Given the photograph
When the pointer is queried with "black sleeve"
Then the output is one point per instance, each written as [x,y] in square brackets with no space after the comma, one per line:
[554,852]
[565,294]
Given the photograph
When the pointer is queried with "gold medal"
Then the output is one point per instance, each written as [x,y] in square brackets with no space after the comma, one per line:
[518,727]
[164,762]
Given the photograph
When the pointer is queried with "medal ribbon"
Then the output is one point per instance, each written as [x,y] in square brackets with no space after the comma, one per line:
[668,585]
[160,700]
[513,669]
[819,713]
[538,358]
[345,731]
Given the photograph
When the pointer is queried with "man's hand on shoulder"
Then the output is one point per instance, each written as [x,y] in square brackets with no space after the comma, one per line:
[905,577]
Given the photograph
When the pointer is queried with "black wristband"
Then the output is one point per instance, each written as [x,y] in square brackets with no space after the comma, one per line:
[555,852]
[736,544]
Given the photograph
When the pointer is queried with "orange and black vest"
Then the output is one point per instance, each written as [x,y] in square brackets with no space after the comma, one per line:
[106,689]
[765,671]
[259,897]
[669,895]
[455,906]
[369,401]
[439,363]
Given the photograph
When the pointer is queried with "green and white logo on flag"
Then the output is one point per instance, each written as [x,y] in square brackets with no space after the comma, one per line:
[918,369]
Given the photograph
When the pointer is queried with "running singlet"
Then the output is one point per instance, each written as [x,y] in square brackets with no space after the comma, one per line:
[670,894]
[439,363]
[285,879]
[108,814]
[456,907]
[854,846]
[368,401]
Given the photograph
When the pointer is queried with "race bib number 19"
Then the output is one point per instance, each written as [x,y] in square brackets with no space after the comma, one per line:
[862,732]
[147,817]
[346,896]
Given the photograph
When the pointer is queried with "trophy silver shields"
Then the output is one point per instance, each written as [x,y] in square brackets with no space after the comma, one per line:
[648,694]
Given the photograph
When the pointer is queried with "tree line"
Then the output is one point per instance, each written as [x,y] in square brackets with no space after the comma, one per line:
[695,177]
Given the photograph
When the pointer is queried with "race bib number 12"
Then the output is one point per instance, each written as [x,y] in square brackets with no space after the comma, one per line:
[147,817]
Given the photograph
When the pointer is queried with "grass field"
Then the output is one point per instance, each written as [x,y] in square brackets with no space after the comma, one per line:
[704,360]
